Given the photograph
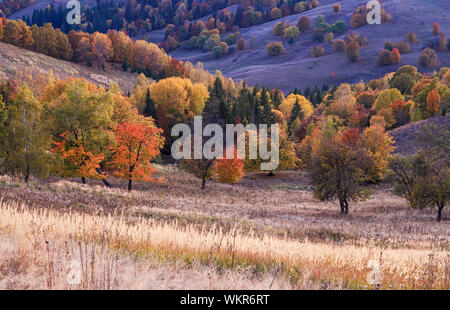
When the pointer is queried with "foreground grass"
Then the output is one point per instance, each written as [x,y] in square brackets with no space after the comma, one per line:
[303,264]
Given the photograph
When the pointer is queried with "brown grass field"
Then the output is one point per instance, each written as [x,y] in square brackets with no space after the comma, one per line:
[264,233]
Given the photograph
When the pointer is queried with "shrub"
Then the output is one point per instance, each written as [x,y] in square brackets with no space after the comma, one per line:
[299,7]
[275,48]
[384,58]
[336,8]
[291,33]
[339,26]
[339,45]
[352,51]
[428,57]
[318,51]
[242,44]
[389,46]
[220,50]
[411,37]
[357,20]
[315,3]
[230,39]
[403,47]
[436,28]
[275,13]
[395,56]
[278,29]
[304,24]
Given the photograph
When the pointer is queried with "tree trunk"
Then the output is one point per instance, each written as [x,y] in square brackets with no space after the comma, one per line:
[346,206]
[105,181]
[129,185]
[341,203]
[203,183]
[27,171]
[83,180]
[439,216]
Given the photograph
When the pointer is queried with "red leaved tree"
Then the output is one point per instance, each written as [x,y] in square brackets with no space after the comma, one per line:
[136,146]
[433,101]
[76,161]
[229,170]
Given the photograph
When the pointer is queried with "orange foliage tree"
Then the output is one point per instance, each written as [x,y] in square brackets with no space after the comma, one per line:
[76,161]
[433,101]
[229,170]
[136,146]
[395,56]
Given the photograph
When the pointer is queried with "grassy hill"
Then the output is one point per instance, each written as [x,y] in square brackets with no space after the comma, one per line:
[296,68]
[13,59]
[405,136]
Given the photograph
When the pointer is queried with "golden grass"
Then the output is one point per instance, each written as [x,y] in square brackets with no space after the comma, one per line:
[301,262]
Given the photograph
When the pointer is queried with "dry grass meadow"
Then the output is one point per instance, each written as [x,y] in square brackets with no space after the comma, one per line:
[264,233]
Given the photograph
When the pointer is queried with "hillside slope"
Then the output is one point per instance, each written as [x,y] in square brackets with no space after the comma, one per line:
[296,68]
[405,136]
[13,59]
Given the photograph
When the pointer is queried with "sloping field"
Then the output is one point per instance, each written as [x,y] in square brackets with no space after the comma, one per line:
[296,68]
[405,136]
[13,59]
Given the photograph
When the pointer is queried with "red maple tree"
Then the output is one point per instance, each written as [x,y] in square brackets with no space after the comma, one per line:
[136,146]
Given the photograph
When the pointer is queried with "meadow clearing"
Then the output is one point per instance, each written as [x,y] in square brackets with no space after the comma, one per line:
[263,233]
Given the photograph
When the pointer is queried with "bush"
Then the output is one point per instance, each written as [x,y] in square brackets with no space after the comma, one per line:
[278,29]
[318,51]
[304,24]
[336,8]
[299,7]
[291,33]
[384,58]
[389,46]
[411,37]
[220,50]
[428,57]
[275,13]
[230,39]
[352,51]
[403,47]
[340,26]
[357,20]
[275,48]
[436,28]
[242,44]
[329,37]
[339,45]
[395,56]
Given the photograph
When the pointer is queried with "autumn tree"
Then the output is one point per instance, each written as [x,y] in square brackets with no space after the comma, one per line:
[229,170]
[395,56]
[26,141]
[337,170]
[304,24]
[433,102]
[177,100]
[75,161]
[81,110]
[352,51]
[423,179]
[136,145]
